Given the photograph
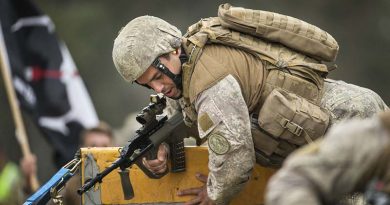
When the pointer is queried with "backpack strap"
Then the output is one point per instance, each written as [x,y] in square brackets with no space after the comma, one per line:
[193,52]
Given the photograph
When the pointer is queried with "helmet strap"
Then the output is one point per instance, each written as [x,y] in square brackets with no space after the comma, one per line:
[176,78]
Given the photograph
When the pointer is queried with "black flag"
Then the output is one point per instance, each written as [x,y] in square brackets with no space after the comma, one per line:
[45,77]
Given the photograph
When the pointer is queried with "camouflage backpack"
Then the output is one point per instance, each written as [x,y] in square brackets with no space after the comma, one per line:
[292,50]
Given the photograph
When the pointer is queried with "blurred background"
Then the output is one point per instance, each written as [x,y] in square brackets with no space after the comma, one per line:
[362,29]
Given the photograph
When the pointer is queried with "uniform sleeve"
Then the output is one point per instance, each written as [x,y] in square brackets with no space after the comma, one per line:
[172,107]
[323,172]
[223,118]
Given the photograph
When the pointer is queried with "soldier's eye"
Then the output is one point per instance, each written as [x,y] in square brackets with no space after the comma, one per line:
[144,85]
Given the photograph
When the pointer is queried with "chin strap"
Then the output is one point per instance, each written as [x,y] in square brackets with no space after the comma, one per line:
[176,78]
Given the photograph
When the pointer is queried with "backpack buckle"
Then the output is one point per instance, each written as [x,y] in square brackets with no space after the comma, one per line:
[292,127]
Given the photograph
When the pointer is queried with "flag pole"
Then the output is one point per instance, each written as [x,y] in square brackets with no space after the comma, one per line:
[20,130]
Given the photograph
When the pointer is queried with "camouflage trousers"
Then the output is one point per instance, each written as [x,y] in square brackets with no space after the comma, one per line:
[346,101]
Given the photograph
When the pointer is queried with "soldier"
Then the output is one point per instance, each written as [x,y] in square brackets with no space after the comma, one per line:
[222,90]
[352,157]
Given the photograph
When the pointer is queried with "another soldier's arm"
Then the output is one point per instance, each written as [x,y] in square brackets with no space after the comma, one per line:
[223,118]
[323,172]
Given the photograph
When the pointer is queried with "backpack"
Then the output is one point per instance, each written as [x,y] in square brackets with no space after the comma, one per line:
[291,32]
[292,50]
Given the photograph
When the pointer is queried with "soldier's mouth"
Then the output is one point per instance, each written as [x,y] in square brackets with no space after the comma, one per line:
[168,93]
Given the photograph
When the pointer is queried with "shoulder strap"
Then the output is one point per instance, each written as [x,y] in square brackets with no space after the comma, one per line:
[193,52]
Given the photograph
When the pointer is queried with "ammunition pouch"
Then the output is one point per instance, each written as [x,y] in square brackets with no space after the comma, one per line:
[285,122]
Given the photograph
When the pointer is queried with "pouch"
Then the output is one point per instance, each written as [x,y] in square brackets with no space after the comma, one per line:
[292,118]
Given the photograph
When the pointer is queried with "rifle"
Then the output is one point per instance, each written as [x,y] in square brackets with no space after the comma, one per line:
[156,128]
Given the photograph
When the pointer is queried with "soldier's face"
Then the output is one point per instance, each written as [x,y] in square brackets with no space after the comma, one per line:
[160,82]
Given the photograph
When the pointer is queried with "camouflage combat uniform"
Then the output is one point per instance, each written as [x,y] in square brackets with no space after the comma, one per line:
[350,156]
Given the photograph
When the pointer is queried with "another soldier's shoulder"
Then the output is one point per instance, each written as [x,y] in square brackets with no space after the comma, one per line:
[354,126]
[352,134]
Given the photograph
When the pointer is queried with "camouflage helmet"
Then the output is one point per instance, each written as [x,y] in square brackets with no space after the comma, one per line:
[140,42]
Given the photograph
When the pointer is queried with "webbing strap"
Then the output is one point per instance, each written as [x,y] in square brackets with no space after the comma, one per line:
[188,67]
[193,53]
[294,128]
[41,196]
[290,126]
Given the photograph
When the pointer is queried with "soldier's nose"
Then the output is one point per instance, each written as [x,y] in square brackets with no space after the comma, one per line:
[158,87]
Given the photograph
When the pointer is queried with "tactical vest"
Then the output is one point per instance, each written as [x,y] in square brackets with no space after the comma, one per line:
[286,114]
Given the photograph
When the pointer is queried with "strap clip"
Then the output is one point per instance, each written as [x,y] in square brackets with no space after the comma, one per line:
[292,127]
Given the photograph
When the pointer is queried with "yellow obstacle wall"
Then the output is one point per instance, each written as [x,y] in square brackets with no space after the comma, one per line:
[148,190]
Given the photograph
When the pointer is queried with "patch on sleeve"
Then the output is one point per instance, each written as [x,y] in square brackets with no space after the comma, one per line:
[205,122]
[218,144]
